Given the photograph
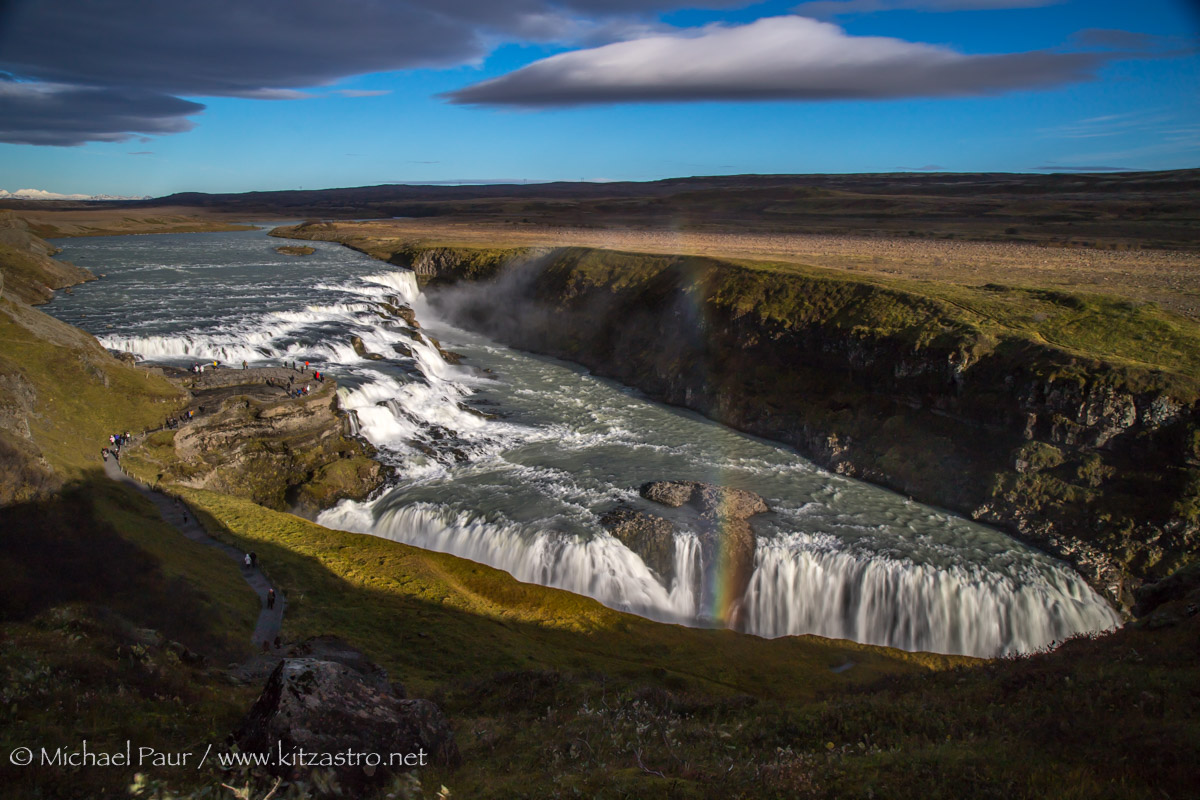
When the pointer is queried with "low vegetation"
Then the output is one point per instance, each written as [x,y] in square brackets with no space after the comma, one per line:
[112,624]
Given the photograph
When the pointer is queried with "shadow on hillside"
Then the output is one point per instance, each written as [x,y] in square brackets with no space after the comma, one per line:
[525,660]
[63,550]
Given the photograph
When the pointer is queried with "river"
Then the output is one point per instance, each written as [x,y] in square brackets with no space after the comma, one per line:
[510,458]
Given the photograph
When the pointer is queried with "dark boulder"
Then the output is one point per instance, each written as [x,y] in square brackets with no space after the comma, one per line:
[327,708]
[361,349]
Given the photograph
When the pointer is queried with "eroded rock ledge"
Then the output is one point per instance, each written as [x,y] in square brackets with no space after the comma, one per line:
[252,437]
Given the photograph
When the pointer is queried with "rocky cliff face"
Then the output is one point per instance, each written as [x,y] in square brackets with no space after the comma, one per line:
[1090,461]
[252,438]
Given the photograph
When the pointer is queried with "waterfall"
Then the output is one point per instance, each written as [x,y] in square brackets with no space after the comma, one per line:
[897,603]
[467,488]
[600,567]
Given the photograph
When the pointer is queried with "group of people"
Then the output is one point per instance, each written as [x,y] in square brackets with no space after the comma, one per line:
[199,368]
[115,442]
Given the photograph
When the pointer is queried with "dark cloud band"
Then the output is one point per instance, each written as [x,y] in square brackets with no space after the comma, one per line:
[50,114]
[129,60]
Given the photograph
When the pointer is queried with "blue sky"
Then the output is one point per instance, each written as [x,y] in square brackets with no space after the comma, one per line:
[635,91]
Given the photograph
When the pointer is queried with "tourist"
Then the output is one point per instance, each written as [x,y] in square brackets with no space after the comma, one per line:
[253,559]
[271,600]
[246,561]
[244,364]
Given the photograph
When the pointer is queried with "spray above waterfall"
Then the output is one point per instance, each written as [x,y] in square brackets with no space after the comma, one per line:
[513,466]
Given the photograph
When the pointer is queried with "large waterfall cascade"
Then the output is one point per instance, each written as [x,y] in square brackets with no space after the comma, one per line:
[509,459]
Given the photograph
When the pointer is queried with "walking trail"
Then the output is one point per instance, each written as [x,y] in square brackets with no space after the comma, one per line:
[270,620]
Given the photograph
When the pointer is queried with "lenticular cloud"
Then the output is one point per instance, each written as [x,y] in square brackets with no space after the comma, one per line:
[775,58]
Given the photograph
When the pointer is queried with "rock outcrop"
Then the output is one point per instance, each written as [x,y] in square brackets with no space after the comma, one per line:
[719,515]
[648,535]
[345,720]
[295,250]
[361,349]
[255,439]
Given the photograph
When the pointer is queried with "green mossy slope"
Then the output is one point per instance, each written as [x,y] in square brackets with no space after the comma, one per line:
[63,394]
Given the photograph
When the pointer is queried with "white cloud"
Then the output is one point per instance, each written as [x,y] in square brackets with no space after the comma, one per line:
[775,58]
[42,194]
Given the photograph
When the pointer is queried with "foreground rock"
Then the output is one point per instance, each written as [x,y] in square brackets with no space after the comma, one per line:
[719,515]
[344,720]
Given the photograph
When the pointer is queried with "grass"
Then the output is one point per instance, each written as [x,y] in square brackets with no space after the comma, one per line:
[78,394]
[80,672]
[101,542]
[89,576]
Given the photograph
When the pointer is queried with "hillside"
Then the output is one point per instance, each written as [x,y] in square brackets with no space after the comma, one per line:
[102,595]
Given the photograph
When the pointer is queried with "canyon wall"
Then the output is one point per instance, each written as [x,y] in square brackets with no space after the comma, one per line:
[1093,461]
